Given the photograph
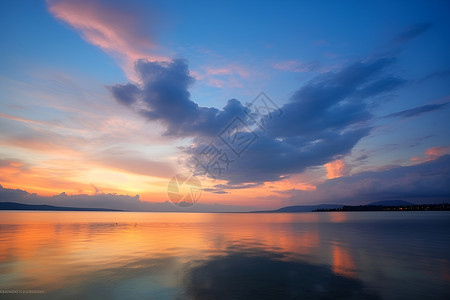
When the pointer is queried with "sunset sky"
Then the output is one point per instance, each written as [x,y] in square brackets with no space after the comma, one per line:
[102,101]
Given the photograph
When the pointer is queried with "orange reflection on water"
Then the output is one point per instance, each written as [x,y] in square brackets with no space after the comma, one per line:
[343,263]
[445,265]
[51,248]
[77,250]
[338,217]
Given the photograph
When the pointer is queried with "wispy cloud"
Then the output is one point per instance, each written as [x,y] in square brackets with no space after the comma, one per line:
[224,75]
[229,69]
[416,111]
[337,168]
[297,66]
[432,154]
[26,120]
[43,178]
[119,30]
[132,162]
[411,32]
[45,141]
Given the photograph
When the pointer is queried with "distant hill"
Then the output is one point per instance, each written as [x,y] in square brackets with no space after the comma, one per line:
[392,203]
[301,208]
[20,206]
[310,208]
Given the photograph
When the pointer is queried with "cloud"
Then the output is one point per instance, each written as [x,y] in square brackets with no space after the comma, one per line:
[421,183]
[227,70]
[163,96]
[432,154]
[45,142]
[50,175]
[270,159]
[412,32]
[222,188]
[10,166]
[132,162]
[224,76]
[361,158]
[323,119]
[337,168]
[29,121]
[416,111]
[437,151]
[119,30]
[297,66]
[332,100]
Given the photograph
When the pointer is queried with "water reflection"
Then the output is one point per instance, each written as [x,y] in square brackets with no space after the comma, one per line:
[343,263]
[246,274]
[114,255]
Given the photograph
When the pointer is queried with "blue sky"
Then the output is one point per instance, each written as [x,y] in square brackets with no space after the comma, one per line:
[368,82]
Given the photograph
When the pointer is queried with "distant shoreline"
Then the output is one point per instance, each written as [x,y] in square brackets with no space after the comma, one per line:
[419,207]
[13,206]
[43,207]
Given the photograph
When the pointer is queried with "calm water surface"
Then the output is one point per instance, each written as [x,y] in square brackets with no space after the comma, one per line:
[119,255]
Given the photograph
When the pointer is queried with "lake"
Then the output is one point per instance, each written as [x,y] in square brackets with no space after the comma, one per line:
[125,255]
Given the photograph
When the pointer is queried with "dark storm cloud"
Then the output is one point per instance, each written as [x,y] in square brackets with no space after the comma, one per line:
[163,96]
[422,183]
[416,111]
[333,101]
[412,32]
[270,159]
[323,119]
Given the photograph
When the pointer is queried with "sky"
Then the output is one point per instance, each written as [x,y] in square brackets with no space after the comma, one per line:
[268,104]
